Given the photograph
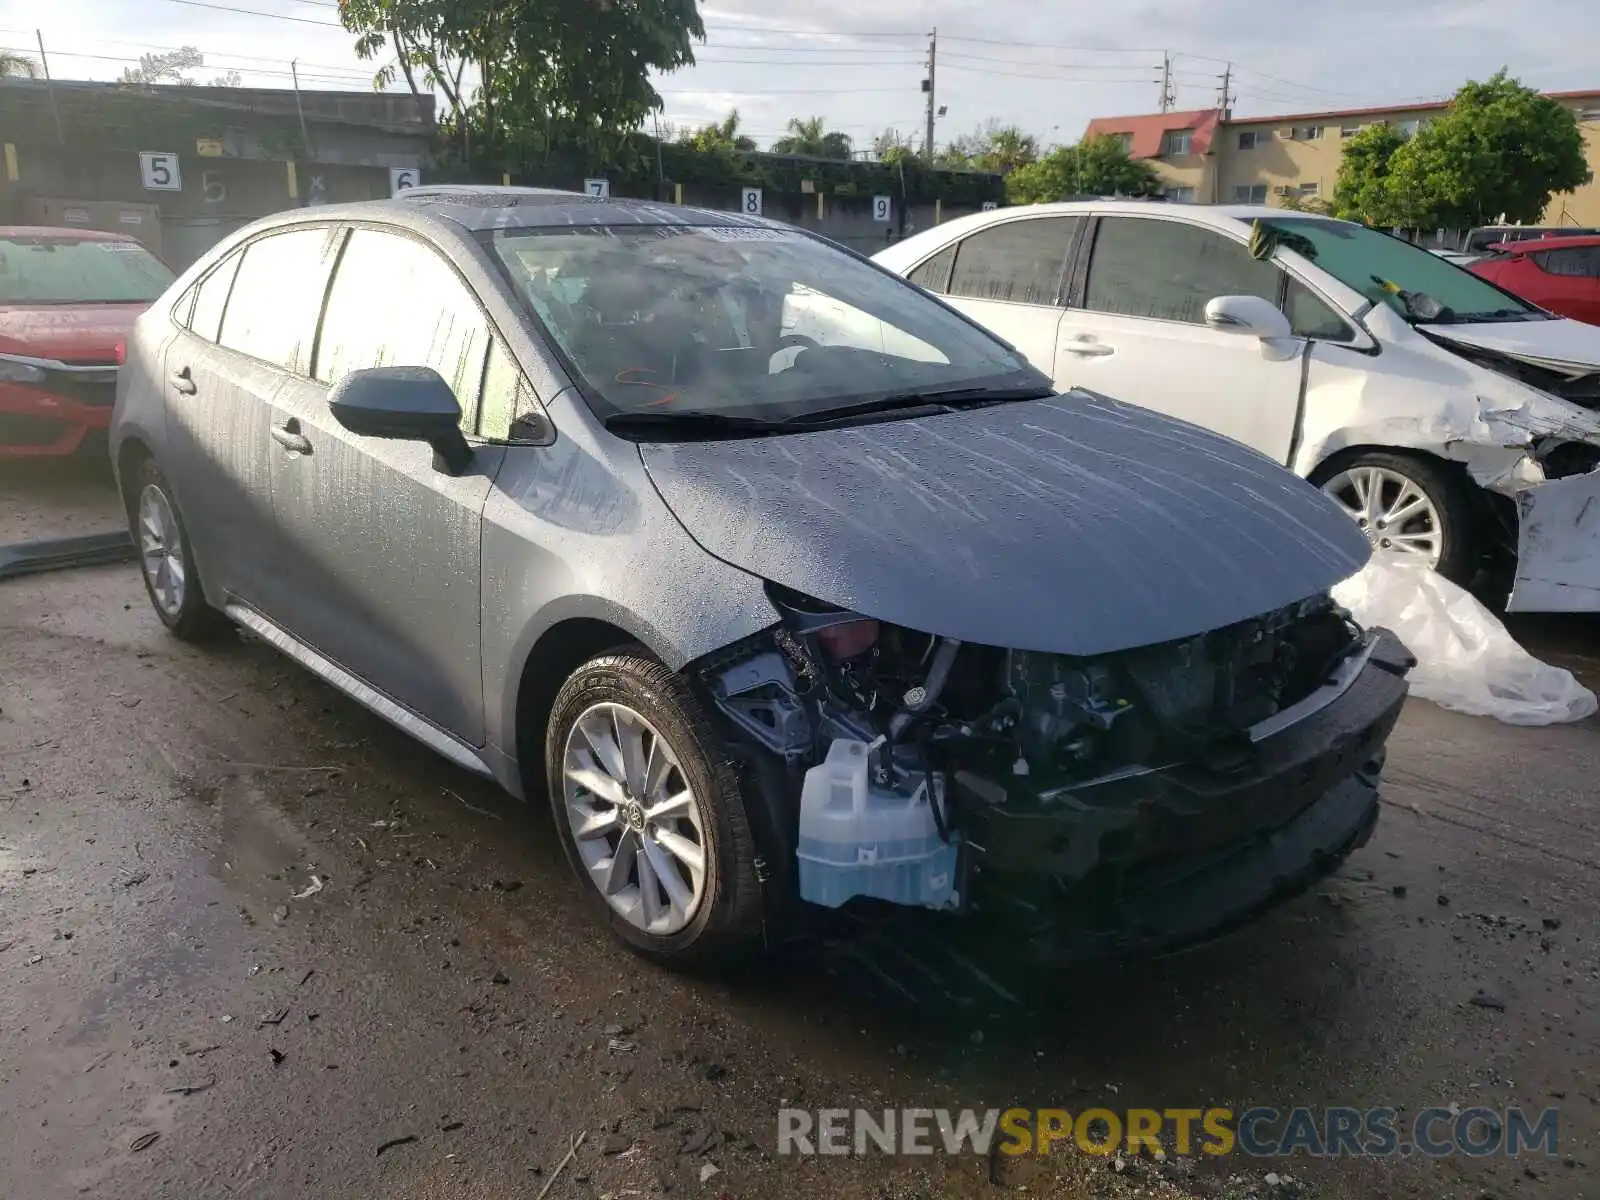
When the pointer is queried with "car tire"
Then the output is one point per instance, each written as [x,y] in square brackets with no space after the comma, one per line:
[1448,504]
[166,558]
[626,827]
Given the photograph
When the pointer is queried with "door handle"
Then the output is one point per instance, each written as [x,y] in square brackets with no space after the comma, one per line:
[182,383]
[288,436]
[1084,348]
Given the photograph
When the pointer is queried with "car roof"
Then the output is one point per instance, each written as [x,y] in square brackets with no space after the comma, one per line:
[1535,245]
[482,207]
[65,232]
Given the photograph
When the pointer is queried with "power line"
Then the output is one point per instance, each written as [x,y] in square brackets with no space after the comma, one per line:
[255,12]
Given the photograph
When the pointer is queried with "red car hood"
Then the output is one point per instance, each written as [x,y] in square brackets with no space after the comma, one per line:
[67,332]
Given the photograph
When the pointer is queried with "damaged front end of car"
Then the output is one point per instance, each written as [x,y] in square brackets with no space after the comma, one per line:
[1113,804]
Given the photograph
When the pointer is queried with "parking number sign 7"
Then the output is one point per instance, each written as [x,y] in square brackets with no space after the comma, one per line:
[750,202]
[882,207]
[159,171]
[600,189]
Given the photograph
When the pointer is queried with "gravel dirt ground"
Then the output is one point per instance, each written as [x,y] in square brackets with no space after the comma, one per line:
[185,1013]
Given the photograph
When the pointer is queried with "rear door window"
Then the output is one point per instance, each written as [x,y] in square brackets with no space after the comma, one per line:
[1019,261]
[1580,261]
[271,311]
[1169,270]
[934,275]
[395,302]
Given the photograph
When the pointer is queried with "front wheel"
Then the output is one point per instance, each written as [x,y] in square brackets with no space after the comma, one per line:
[166,558]
[650,813]
[1406,506]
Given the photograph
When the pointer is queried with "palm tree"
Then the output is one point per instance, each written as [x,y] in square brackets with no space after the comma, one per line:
[811,137]
[17,66]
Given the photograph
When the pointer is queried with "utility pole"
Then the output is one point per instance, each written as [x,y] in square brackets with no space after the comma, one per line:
[1225,101]
[927,86]
[294,74]
[50,86]
[1167,97]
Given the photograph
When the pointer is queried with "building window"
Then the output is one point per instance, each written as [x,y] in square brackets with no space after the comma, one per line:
[1179,195]
[1250,193]
[1310,189]
[1306,133]
[1179,142]
[1409,128]
[1249,139]
[1125,140]
[1349,130]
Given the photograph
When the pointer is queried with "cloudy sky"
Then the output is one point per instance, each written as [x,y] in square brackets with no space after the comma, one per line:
[1046,66]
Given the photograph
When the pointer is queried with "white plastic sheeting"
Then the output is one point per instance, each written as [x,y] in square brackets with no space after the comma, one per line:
[1466,660]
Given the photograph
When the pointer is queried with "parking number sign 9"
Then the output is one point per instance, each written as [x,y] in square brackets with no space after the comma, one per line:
[750,202]
[881,208]
[159,171]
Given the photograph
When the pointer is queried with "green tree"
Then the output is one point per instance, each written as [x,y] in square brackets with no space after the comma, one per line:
[893,147]
[721,136]
[1500,149]
[811,137]
[1095,166]
[1361,192]
[546,69]
[17,66]
[993,147]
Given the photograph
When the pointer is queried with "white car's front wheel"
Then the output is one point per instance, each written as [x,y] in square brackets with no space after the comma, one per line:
[1405,505]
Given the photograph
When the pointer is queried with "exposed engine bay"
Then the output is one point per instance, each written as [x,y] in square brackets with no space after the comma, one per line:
[974,730]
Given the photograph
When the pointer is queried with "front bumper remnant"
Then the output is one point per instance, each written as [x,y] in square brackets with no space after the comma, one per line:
[59,554]
[1155,861]
[1558,546]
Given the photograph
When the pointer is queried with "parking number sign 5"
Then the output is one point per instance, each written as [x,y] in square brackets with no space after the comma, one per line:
[881,208]
[159,171]
[750,202]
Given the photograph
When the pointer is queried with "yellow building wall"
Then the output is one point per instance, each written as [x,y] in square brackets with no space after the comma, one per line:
[1280,162]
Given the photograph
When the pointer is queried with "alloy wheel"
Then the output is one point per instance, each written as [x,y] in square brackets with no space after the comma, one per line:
[1395,514]
[161,550]
[635,821]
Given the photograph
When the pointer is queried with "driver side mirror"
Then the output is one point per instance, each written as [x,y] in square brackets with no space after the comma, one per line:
[1249,315]
[408,403]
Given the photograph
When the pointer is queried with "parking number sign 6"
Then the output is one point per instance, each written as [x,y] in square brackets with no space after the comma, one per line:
[881,208]
[750,202]
[159,171]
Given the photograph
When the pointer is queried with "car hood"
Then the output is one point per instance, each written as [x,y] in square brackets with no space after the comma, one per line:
[1560,345]
[72,333]
[1074,525]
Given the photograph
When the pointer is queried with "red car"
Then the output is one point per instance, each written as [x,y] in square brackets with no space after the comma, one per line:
[68,298]
[1561,274]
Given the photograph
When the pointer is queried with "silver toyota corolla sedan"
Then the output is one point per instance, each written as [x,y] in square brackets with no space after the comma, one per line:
[790,586]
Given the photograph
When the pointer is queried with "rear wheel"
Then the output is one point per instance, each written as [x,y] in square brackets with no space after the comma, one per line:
[1406,506]
[166,559]
[650,813]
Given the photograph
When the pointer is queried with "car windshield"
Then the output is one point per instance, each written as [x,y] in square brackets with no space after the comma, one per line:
[1420,286]
[743,322]
[47,269]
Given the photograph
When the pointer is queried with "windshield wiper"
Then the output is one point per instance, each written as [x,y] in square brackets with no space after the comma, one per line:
[1499,314]
[938,399]
[669,426]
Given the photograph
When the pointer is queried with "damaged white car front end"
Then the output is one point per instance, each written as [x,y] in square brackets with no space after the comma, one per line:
[1463,395]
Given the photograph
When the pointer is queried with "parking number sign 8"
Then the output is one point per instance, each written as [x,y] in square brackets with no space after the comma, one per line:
[881,208]
[159,171]
[750,202]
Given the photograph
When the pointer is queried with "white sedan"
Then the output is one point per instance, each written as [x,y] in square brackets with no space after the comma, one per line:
[1453,420]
